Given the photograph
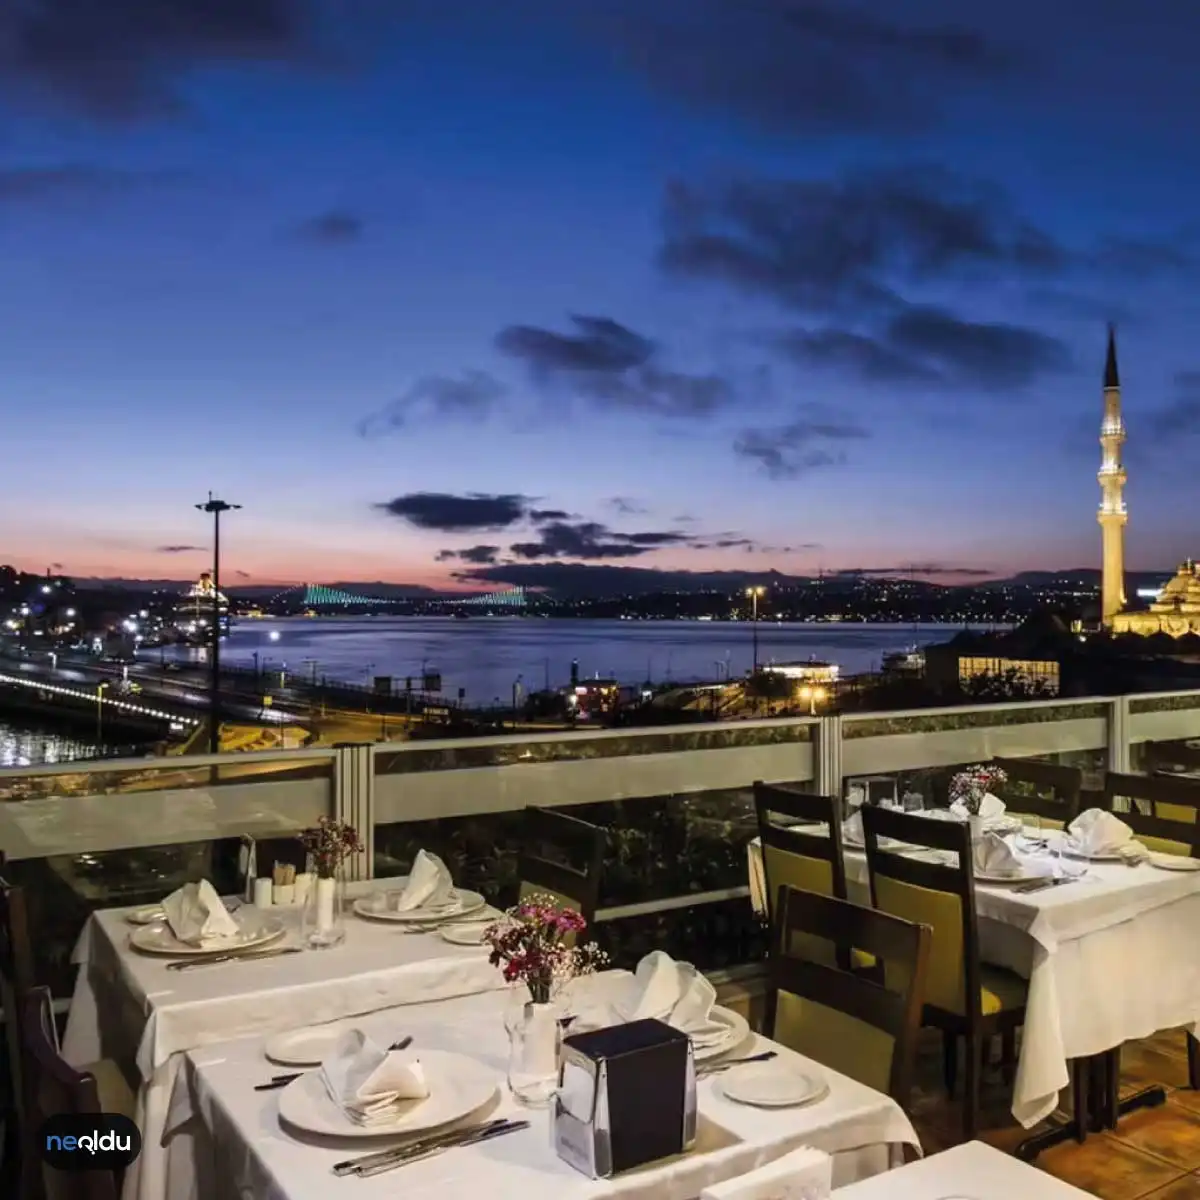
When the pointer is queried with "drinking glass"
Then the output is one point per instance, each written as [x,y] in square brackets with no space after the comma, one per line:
[913,802]
[1032,838]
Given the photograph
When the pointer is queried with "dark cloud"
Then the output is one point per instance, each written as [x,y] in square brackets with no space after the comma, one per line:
[805,444]
[625,507]
[180,549]
[593,579]
[335,227]
[449,513]
[548,514]
[27,184]
[121,58]
[481,555]
[592,540]
[843,349]
[470,396]
[242,574]
[1181,417]
[613,367]
[1138,258]
[800,67]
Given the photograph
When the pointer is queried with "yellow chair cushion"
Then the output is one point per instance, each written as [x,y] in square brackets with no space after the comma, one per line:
[1157,845]
[861,960]
[1183,813]
[116,1096]
[1000,990]
[835,1040]
[1043,822]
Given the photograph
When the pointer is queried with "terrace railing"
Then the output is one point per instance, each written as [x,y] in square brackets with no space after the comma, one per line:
[676,802]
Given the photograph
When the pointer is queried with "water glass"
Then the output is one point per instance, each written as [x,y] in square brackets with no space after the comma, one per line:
[913,802]
[1032,837]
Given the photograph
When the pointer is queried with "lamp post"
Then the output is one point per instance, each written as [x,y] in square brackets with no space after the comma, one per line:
[754,593]
[516,697]
[216,507]
[100,714]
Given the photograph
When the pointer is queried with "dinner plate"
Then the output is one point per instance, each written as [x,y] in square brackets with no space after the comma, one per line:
[1173,862]
[857,843]
[158,939]
[304,1047]
[466,933]
[772,1084]
[1020,876]
[152,914]
[375,907]
[1070,851]
[457,1087]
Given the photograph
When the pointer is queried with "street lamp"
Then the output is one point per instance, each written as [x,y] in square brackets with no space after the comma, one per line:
[814,696]
[100,714]
[516,697]
[216,507]
[754,593]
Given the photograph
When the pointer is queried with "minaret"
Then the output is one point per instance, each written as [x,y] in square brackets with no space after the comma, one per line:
[1112,515]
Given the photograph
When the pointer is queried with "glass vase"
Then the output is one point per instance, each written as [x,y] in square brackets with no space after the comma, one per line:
[324,922]
[534,1041]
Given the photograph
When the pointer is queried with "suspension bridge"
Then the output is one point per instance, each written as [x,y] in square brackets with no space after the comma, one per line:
[319,596]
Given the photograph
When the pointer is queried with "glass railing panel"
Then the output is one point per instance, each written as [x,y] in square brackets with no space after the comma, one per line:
[1171,702]
[953,720]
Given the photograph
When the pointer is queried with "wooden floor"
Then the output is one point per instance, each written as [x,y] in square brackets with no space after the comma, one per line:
[1153,1154]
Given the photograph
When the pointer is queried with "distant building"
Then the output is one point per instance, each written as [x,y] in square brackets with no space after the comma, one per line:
[1176,611]
[812,671]
[193,613]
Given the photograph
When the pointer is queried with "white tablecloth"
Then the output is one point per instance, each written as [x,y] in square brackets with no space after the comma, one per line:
[1106,958]
[973,1170]
[247,1155]
[130,1008]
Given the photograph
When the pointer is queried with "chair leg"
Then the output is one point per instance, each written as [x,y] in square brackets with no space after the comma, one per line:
[949,1061]
[1079,1085]
[970,1097]
[1008,1056]
[1193,1048]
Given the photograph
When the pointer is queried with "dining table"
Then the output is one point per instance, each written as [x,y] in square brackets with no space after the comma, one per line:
[241,1146]
[972,1171]
[134,1009]
[1106,952]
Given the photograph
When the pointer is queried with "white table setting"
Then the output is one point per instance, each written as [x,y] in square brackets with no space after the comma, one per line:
[254,1136]
[1096,923]
[159,981]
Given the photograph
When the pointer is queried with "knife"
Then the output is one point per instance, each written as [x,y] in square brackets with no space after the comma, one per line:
[352,1165]
[208,960]
[470,1138]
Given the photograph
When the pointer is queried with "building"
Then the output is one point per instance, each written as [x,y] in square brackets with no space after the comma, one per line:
[1112,515]
[193,613]
[1176,611]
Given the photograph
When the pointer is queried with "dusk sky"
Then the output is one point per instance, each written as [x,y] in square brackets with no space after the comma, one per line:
[444,288]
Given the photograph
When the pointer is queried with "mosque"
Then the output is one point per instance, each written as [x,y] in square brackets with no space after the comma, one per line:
[1176,611]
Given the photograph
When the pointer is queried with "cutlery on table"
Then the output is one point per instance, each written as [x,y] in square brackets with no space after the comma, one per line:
[383,1160]
[208,960]
[280,1081]
[716,1067]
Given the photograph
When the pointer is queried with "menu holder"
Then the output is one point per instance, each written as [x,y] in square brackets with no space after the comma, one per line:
[626,1097]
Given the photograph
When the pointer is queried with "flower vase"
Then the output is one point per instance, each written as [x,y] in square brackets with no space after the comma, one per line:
[324,916]
[975,823]
[534,1041]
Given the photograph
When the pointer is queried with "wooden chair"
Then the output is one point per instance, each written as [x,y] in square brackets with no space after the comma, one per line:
[856,1025]
[964,998]
[53,1088]
[1041,789]
[16,979]
[1170,758]
[1161,797]
[562,857]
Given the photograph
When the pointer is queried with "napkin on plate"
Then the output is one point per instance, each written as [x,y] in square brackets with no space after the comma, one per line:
[994,856]
[429,884]
[990,807]
[1097,831]
[368,1082]
[852,829]
[196,915]
[674,992]
[804,1174]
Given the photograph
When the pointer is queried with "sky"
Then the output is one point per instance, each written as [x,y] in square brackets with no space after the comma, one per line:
[471,294]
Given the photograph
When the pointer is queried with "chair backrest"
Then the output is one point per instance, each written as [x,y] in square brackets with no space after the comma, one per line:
[562,857]
[1045,790]
[846,1020]
[52,1088]
[1162,809]
[936,894]
[1170,757]
[16,978]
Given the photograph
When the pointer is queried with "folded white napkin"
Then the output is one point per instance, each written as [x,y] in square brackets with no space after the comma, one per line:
[804,1174]
[1097,831]
[665,990]
[367,1082]
[852,830]
[197,916]
[990,807]
[994,856]
[429,884]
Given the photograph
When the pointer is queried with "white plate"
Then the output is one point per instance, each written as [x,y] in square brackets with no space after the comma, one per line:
[457,1087]
[1070,852]
[375,907]
[304,1047]
[738,1029]
[153,914]
[466,934]
[772,1084]
[158,939]
[857,843]
[1174,862]
[1000,880]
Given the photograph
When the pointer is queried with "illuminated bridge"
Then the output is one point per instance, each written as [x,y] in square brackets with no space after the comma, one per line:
[510,598]
[316,595]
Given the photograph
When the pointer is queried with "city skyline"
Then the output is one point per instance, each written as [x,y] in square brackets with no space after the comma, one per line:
[700,286]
